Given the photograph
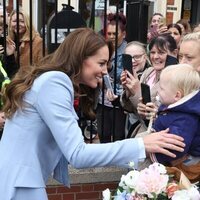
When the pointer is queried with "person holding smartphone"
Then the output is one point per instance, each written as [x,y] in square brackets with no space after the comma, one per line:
[138,63]
[110,115]
[131,100]
[157,26]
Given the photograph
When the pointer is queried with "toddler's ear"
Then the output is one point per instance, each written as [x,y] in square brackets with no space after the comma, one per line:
[178,95]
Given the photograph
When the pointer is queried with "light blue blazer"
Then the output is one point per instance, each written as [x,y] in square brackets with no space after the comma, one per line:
[44,137]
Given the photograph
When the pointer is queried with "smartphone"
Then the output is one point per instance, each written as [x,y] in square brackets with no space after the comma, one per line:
[127,62]
[146,94]
[107,82]
[153,29]
[170,60]
[162,21]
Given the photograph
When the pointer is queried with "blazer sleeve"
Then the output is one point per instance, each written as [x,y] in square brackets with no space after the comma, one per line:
[57,112]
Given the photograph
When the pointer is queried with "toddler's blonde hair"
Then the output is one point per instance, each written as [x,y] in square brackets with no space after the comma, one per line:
[182,77]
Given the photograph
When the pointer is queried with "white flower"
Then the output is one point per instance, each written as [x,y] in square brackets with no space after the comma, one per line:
[131,179]
[190,194]
[181,195]
[149,183]
[194,193]
[158,167]
[122,182]
[131,164]
[106,194]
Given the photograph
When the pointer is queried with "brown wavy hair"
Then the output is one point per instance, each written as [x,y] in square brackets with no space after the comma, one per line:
[68,58]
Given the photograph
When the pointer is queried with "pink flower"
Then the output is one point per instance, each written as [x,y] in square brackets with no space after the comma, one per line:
[171,188]
[151,182]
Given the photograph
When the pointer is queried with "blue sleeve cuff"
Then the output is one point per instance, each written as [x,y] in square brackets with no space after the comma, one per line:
[142,154]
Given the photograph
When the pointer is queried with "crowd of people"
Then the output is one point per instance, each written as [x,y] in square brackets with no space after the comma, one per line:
[171,106]
[41,134]
[169,93]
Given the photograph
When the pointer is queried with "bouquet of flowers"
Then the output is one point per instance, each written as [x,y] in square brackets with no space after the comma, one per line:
[156,182]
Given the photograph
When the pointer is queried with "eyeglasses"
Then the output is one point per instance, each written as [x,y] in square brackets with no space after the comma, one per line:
[137,57]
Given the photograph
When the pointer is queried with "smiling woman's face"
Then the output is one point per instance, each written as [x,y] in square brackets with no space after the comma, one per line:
[138,57]
[155,20]
[158,58]
[94,67]
[22,26]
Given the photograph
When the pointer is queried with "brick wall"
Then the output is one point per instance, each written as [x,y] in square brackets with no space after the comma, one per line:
[170,15]
[89,191]
[10,5]
[170,2]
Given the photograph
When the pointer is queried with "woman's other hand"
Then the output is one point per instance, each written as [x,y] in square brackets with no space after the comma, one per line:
[163,142]
[110,95]
[10,47]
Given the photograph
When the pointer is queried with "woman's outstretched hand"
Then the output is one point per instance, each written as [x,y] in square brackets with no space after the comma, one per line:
[163,142]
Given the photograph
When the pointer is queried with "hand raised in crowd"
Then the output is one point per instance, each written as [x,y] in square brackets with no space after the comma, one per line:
[10,47]
[130,82]
[154,32]
[147,110]
[160,142]
[162,29]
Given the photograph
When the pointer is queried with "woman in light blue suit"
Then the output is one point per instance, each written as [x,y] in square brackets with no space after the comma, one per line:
[41,134]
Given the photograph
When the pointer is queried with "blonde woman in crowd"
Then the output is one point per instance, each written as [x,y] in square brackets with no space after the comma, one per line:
[190,50]
[24,38]
[140,62]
